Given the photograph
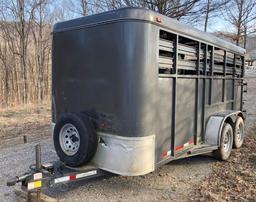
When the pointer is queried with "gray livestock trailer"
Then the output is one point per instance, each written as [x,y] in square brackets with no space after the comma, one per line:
[133,90]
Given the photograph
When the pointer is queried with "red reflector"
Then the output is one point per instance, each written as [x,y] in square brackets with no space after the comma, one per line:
[72,177]
[164,153]
[179,147]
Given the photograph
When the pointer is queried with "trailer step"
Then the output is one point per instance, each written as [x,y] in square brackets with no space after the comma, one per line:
[202,149]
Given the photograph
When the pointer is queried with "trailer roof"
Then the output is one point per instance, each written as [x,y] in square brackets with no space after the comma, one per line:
[128,13]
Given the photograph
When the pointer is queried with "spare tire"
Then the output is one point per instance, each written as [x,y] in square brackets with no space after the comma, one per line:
[75,139]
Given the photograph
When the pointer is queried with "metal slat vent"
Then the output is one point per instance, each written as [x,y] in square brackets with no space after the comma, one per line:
[187,54]
[166,50]
[219,58]
[239,65]
[211,59]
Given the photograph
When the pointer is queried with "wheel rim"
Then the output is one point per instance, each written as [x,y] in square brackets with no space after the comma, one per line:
[239,132]
[69,139]
[227,141]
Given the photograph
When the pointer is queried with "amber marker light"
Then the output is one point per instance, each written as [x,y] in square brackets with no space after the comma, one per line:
[159,19]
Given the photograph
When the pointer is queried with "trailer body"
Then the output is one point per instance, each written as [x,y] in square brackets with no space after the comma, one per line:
[155,89]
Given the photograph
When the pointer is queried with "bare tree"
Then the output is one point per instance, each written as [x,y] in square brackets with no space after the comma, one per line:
[22,14]
[211,9]
[41,37]
[241,14]
[24,51]
[83,7]
[174,9]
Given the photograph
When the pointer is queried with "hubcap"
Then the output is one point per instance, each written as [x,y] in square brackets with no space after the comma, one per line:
[240,132]
[69,139]
[227,139]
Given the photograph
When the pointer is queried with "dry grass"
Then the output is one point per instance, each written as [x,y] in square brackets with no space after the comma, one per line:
[30,120]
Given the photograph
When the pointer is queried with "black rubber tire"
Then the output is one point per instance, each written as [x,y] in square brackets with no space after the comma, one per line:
[221,153]
[238,141]
[88,139]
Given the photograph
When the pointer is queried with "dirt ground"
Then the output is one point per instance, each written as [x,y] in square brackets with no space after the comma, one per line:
[17,122]
[182,180]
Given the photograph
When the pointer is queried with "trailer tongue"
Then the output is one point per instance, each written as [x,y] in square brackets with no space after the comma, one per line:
[41,175]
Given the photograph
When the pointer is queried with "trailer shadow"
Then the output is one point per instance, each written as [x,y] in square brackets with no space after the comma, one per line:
[170,181]
[194,160]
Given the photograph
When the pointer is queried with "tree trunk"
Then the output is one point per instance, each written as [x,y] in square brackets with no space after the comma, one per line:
[207,15]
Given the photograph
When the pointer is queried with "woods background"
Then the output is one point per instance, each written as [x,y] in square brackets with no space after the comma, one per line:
[25,34]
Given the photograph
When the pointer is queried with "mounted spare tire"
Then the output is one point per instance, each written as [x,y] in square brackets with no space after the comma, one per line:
[75,139]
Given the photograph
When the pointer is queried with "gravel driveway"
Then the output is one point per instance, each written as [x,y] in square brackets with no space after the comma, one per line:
[173,181]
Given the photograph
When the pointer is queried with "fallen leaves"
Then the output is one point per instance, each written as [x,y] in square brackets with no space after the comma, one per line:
[234,180]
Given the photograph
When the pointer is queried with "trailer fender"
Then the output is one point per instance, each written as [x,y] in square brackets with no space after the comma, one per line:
[215,123]
[129,156]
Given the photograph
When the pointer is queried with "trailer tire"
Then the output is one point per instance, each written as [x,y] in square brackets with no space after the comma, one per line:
[226,143]
[238,132]
[75,139]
